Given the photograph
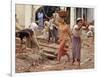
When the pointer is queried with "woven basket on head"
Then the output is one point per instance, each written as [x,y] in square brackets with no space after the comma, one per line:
[62,13]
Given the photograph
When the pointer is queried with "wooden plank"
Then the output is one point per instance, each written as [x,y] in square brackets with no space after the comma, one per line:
[49,56]
[49,51]
[54,46]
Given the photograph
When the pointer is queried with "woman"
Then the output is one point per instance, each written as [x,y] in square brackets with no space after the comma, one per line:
[76,41]
[64,36]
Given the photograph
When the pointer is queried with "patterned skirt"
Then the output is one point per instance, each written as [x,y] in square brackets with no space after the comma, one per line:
[76,47]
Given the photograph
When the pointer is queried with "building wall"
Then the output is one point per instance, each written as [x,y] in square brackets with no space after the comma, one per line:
[90,15]
[26,14]
[20,12]
[78,12]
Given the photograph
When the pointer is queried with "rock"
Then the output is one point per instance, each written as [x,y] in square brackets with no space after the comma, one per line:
[53,46]
[49,51]
[49,56]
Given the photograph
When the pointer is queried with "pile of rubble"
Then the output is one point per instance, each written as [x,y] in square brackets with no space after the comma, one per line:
[30,58]
[26,58]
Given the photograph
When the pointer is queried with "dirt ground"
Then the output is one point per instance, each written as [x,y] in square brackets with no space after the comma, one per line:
[33,60]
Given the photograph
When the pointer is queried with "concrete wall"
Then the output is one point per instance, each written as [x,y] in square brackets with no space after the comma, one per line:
[26,14]
[20,12]
[90,15]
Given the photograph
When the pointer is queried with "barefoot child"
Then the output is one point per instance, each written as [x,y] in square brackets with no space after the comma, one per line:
[62,51]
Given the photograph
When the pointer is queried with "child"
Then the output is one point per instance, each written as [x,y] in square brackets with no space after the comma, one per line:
[90,33]
[45,30]
[62,51]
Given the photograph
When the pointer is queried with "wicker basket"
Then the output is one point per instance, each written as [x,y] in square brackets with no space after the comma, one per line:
[62,13]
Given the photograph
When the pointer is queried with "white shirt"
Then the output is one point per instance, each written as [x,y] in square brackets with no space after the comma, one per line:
[46,23]
[51,24]
[33,26]
[75,32]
